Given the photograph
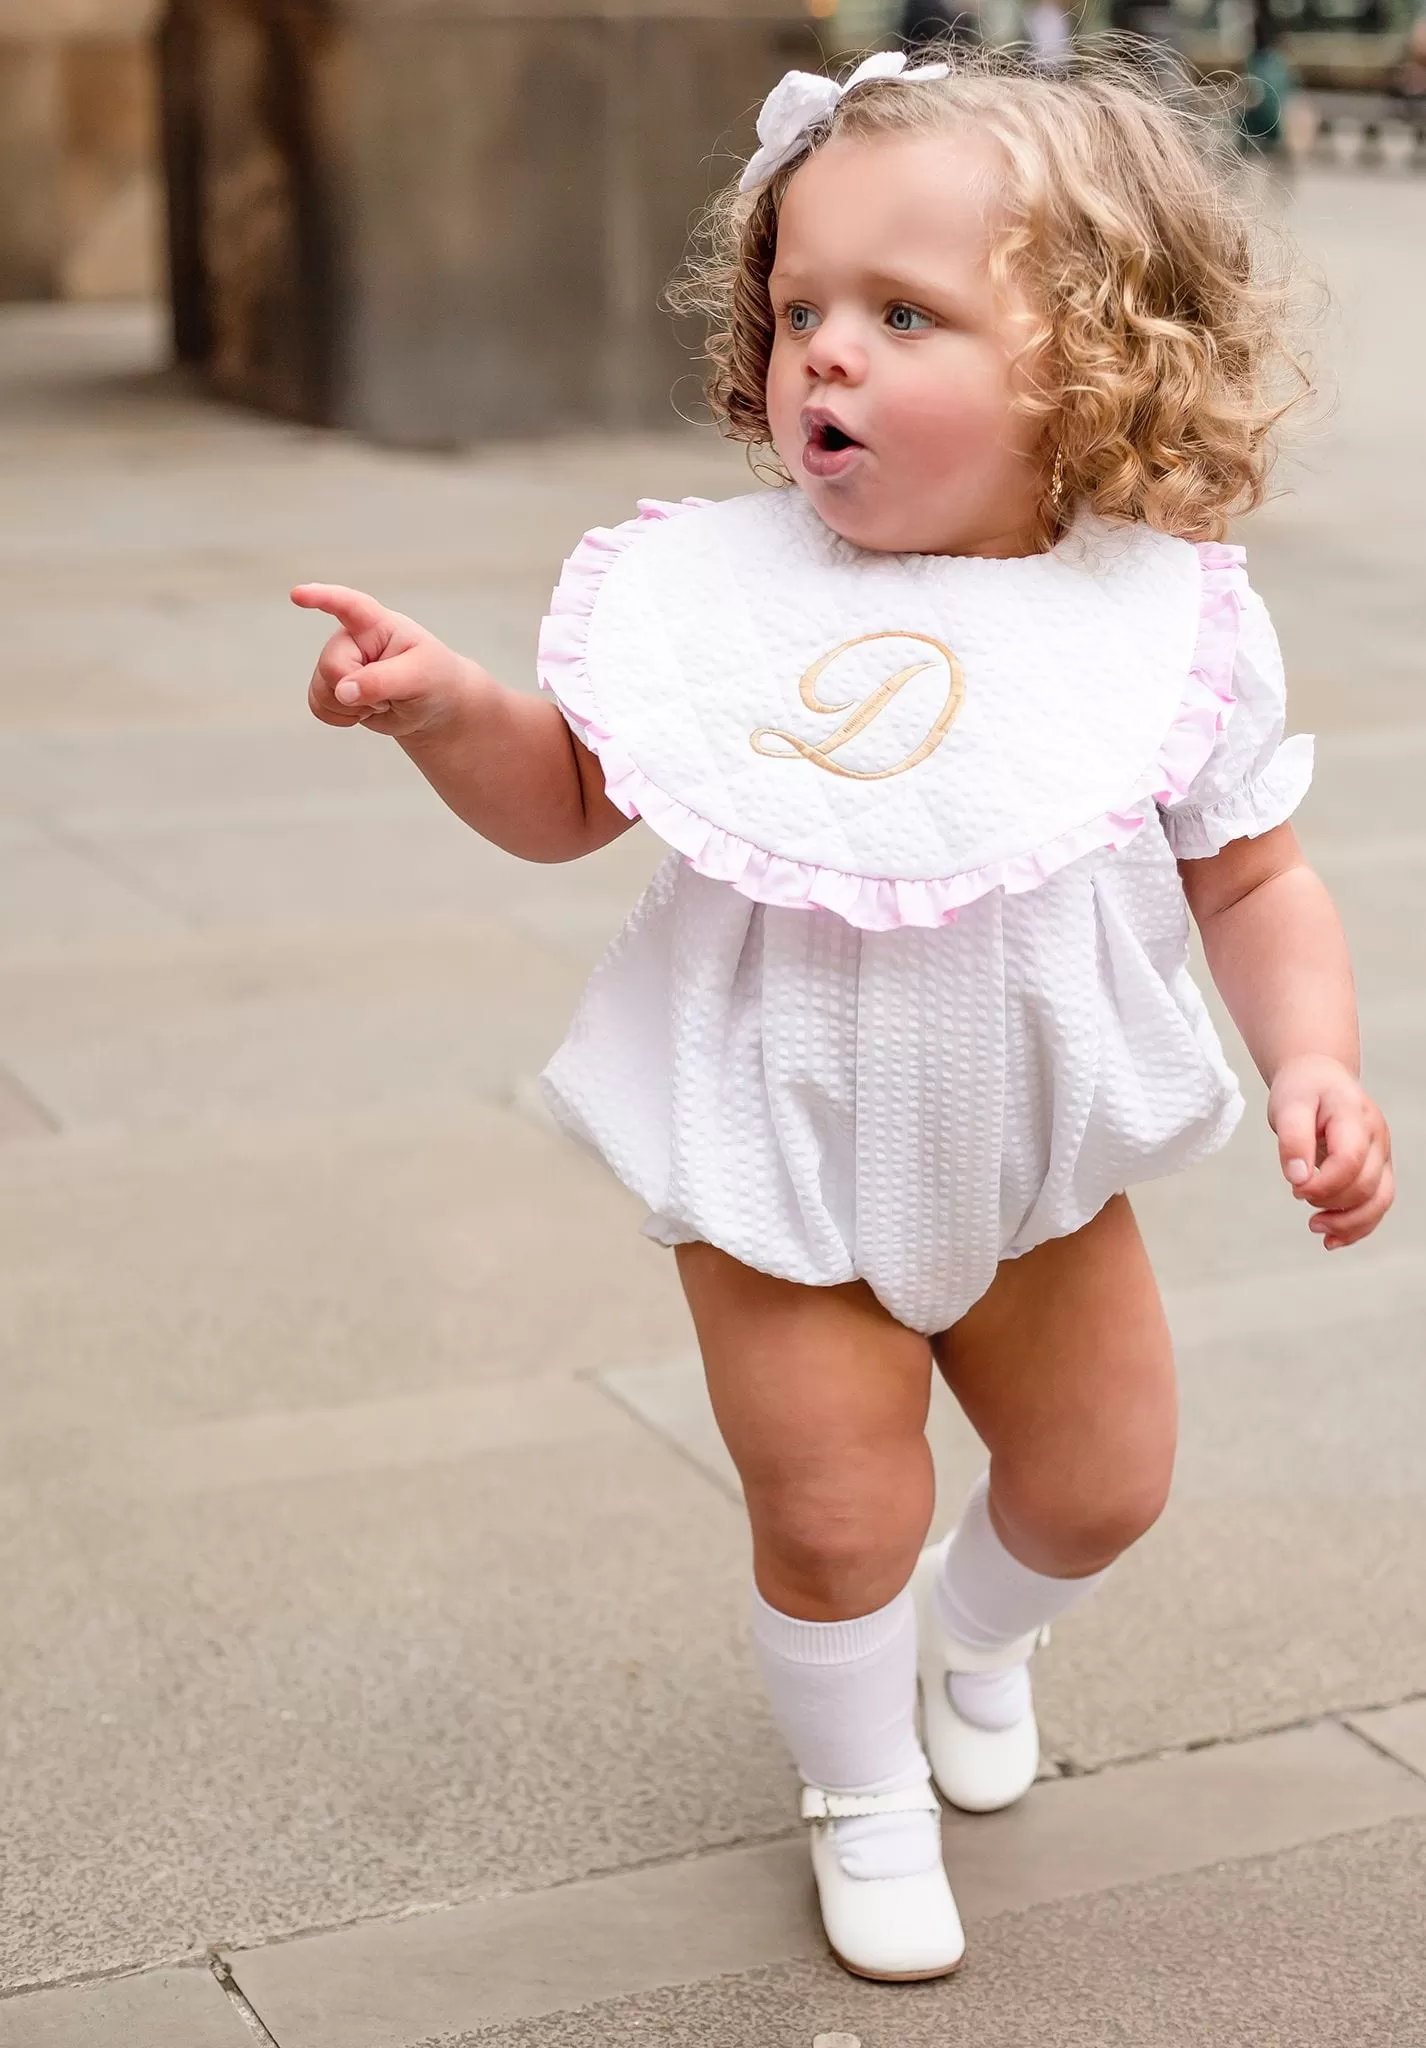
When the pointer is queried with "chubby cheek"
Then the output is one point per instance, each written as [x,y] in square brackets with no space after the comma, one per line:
[961,425]
[786,396]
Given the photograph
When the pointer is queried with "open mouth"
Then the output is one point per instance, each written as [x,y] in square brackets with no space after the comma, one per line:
[830,448]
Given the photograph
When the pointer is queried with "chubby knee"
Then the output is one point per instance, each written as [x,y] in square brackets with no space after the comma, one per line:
[1070,1524]
[840,1538]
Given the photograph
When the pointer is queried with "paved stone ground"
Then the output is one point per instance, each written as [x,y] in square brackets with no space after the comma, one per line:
[372,1660]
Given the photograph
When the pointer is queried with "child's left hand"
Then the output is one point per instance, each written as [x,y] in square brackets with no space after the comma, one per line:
[1334,1145]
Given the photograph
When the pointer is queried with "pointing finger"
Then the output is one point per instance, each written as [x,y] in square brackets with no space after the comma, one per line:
[368,622]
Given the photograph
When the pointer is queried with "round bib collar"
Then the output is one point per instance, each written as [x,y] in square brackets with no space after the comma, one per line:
[888,736]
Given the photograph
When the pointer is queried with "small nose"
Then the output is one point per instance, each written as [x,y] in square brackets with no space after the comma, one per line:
[835,353]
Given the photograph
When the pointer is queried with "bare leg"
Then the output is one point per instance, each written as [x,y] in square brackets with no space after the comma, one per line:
[822,1399]
[1065,1369]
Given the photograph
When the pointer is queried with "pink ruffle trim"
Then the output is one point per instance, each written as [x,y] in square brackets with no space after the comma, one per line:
[879,903]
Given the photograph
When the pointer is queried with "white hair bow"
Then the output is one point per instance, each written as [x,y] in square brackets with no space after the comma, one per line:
[804,99]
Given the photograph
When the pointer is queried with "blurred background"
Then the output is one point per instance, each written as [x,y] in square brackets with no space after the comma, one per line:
[366,1542]
[357,205]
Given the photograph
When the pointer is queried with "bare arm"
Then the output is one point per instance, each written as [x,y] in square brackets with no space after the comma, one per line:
[507,764]
[1278,955]
[1276,949]
[510,767]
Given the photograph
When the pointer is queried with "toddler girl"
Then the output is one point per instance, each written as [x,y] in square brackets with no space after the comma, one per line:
[946,736]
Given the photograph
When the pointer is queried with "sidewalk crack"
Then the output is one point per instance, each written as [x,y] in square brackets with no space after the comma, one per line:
[242,2005]
[1392,1755]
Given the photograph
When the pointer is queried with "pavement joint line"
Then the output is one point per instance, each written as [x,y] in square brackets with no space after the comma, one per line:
[466,1895]
[219,1952]
[216,1955]
[1068,1768]
[1240,1738]
[26,1100]
[1342,1716]
[667,1437]
[83,1980]
[101,857]
[240,2002]
[392,1432]
[525,1956]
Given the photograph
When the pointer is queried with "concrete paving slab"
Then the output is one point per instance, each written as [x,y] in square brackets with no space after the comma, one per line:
[410,1016]
[1179,1811]
[234,1714]
[364,865]
[441,1425]
[105,782]
[300,507]
[257,506]
[1315,1947]
[417,1979]
[303,872]
[308,1264]
[59,894]
[671,1397]
[21,1115]
[161,2009]
[1399,1730]
[1387,940]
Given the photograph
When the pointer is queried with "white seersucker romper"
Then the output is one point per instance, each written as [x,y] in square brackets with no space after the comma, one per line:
[841,1037]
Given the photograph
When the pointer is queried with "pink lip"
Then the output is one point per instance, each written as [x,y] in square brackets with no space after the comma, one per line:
[819,460]
[829,461]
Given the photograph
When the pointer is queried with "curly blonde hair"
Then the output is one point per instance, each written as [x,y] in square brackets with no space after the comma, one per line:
[1160,351]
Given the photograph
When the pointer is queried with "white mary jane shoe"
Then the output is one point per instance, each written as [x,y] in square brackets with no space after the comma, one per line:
[893,1929]
[979,1770]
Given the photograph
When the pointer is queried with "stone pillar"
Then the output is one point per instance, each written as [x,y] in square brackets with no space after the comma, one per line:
[444,221]
[78,184]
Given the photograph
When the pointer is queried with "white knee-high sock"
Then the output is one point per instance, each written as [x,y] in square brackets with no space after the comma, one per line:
[844,1695]
[986,1599]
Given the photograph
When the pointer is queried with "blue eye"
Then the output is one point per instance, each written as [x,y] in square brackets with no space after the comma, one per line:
[801,319]
[908,320]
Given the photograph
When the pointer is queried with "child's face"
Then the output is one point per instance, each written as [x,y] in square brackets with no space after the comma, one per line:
[893,376]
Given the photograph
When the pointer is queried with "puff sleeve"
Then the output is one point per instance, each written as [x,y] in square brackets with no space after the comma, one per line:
[1254,779]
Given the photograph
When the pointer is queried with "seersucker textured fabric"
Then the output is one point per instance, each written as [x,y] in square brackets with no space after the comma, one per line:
[997,1030]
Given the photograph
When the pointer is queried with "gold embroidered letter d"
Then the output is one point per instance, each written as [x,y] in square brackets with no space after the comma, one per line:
[871,707]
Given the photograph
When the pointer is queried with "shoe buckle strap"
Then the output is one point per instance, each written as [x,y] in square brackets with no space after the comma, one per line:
[820,1805]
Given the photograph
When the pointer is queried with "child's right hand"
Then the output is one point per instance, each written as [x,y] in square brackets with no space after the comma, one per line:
[381,669]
